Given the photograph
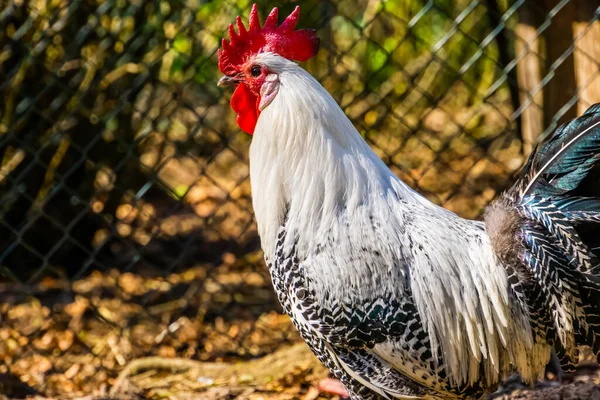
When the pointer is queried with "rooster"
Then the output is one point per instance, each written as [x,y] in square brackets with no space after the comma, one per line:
[398,297]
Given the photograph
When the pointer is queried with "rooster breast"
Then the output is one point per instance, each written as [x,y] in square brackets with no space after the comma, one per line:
[337,331]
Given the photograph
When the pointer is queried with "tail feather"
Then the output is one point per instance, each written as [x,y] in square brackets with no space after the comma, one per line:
[546,213]
[562,163]
[560,294]
[558,238]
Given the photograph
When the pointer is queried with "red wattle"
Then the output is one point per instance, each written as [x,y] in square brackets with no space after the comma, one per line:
[245,104]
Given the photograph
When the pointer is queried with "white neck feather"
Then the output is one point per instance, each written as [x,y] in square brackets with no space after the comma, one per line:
[307,160]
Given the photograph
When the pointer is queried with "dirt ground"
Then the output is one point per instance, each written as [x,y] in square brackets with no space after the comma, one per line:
[68,340]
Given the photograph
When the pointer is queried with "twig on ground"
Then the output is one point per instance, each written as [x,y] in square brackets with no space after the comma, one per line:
[161,363]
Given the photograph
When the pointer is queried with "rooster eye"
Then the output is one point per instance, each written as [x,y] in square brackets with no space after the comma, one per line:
[255,71]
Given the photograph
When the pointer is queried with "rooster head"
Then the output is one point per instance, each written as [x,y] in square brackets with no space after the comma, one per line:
[256,84]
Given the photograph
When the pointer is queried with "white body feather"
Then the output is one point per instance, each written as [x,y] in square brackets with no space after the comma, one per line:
[309,164]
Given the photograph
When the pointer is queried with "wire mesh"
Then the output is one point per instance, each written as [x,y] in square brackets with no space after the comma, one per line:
[126,226]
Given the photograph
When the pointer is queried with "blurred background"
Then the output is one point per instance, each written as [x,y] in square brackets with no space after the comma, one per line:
[126,227]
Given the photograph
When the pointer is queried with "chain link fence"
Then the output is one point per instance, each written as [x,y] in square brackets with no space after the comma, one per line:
[126,227]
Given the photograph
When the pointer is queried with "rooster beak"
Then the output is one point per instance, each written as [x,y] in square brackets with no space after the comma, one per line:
[228,81]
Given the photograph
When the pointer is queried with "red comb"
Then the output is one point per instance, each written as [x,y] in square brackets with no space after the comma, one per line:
[297,45]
